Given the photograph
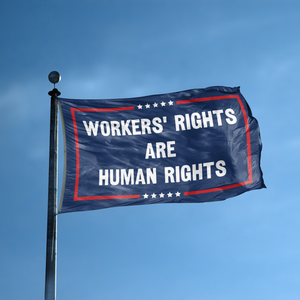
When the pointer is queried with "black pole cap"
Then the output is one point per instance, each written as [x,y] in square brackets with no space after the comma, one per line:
[54,77]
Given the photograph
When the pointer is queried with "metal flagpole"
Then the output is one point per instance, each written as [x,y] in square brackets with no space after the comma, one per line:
[50,280]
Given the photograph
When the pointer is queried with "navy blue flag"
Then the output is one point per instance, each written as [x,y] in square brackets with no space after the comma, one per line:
[186,147]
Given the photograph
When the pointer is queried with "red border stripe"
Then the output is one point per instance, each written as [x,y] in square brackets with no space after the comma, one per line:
[227,187]
[73,110]
[107,197]
[104,109]
[207,99]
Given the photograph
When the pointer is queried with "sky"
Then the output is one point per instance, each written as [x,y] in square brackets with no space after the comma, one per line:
[245,247]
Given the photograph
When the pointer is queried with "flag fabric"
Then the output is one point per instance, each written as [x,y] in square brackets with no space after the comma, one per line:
[192,146]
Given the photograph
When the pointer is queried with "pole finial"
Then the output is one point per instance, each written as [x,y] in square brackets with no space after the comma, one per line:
[54,77]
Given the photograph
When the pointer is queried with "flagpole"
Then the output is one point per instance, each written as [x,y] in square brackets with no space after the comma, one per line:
[50,278]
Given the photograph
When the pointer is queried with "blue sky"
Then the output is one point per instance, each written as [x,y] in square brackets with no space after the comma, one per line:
[242,248]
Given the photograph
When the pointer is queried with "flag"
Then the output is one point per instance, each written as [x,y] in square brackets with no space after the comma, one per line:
[192,146]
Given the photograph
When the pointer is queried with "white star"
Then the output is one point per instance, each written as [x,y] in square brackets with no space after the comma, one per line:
[163,103]
[170,194]
[161,195]
[140,106]
[146,196]
[178,194]
[147,105]
[155,104]
[170,102]
[153,195]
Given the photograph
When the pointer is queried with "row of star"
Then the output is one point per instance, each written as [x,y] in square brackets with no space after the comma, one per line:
[161,195]
[140,106]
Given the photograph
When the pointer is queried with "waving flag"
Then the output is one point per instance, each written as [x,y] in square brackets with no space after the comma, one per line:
[186,147]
